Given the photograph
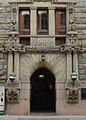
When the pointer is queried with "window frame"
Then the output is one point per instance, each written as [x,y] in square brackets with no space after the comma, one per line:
[39,20]
[60,36]
[58,25]
[21,22]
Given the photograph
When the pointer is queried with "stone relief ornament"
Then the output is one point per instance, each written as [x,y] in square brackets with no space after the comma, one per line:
[72,38]
[72,88]
[12,95]
[12,43]
[71,12]
[71,16]
[13,87]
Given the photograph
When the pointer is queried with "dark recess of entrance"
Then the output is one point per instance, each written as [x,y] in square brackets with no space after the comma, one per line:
[42,91]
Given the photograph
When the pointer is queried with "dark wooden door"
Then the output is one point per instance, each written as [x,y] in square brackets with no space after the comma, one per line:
[42,94]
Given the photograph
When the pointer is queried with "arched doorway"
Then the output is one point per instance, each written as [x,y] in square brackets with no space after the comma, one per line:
[42,91]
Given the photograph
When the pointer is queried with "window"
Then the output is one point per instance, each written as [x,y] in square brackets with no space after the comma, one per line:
[42,22]
[83,93]
[60,26]
[24,22]
[60,22]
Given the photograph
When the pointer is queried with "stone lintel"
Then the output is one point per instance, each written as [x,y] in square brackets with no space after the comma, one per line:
[33,8]
[72,33]
[51,8]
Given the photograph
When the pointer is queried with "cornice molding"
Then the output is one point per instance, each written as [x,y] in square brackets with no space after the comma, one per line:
[53,1]
[20,1]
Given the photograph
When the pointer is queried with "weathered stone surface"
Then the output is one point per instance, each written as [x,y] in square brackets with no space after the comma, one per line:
[26,64]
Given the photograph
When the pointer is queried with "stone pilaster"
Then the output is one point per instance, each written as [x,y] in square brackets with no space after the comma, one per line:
[33,20]
[16,65]
[29,98]
[75,62]
[69,65]
[10,63]
[51,21]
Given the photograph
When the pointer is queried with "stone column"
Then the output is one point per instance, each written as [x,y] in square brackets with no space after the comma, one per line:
[29,97]
[33,20]
[75,62]
[10,63]
[16,65]
[69,65]
[51,21]
[56,89]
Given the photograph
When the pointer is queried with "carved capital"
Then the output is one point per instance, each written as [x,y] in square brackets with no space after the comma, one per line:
[15,48]
[72,38]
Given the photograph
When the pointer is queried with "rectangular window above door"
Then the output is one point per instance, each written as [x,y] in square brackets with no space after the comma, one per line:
[24,22]
[42,21]
[25,41]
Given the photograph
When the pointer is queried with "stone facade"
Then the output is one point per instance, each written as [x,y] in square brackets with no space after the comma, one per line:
[60,60]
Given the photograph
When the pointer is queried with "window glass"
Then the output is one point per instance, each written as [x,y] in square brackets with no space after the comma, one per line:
[26,22]
[44,22]
[83,93]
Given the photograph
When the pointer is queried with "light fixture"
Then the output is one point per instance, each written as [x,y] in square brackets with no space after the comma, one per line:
[43,57]
[74,76]
[12,76]
[41,76]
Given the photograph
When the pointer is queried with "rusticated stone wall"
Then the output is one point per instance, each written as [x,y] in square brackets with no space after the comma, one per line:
[4,27]
[80,19]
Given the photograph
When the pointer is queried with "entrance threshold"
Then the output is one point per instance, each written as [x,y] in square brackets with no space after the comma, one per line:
[42,114]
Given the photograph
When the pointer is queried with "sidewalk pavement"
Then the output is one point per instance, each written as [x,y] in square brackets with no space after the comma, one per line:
[29,117]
